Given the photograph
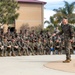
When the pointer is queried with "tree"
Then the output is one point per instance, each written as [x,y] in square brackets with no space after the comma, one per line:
[52,22]
[66,11]
[8,12]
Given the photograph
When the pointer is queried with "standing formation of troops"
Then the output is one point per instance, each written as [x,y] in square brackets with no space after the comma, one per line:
[31,43]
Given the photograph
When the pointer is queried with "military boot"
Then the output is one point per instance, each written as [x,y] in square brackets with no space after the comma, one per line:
[1,55]
[67,61]
[70,59]
[5,54]
[13,54]
[9,54]
[19,54]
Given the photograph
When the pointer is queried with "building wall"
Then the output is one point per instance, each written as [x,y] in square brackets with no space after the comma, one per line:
[31,14]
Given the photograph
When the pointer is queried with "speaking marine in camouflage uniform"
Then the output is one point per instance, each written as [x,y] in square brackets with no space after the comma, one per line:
[68,33]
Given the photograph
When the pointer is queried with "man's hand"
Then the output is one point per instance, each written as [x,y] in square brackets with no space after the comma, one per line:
[71,40]
[54,34]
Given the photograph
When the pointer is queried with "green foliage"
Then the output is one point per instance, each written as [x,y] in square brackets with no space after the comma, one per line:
[52,22]
[8,12]
[66,11]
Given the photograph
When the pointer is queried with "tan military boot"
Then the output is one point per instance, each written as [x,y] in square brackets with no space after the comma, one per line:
[19,54]
[9,54]
[67,61]
[70,59]
[13,54]
[1,55]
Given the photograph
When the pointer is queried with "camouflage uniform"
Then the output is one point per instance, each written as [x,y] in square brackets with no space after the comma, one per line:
[57,47]
[46,47]
[15,47]
[19,43]
[25,48]
[51,46]
[67,30]
[40,47]
[9,47]
[5,47]
[1,49]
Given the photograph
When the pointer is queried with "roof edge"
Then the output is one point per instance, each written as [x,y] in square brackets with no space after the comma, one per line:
[37,2]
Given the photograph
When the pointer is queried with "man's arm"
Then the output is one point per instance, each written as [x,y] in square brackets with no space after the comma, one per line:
[71,32]
[59,33]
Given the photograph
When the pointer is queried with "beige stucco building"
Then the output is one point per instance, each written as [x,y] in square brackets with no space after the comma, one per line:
[31,12]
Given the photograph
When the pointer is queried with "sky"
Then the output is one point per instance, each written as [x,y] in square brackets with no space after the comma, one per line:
[53,4]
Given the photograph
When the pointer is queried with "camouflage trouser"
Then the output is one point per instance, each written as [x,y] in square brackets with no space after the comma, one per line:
[13,50]
[25,51]
[9,51]
[1,52]
[4,52]
[19,51]
[67,48]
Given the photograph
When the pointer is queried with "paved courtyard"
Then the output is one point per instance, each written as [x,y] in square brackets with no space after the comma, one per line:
[31,65]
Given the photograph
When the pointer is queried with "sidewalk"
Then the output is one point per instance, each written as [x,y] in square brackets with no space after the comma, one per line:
[31,65]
